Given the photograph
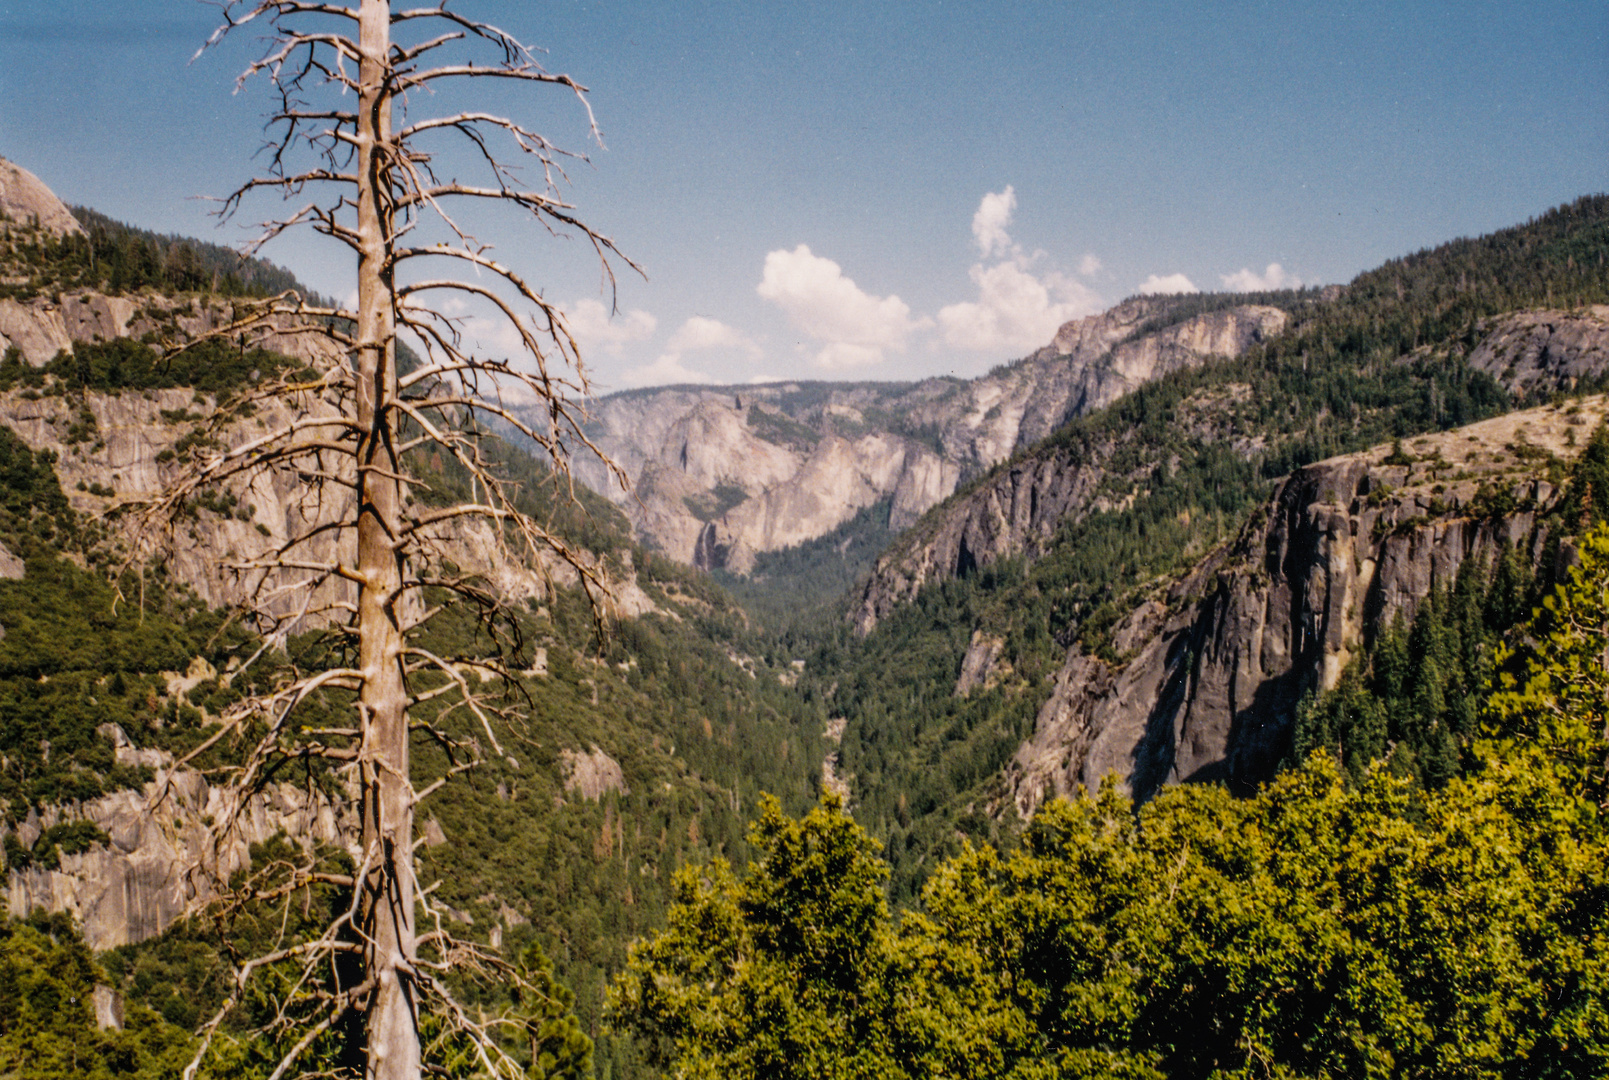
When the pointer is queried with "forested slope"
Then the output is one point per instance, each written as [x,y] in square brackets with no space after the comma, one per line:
[640,749]
[1051,551]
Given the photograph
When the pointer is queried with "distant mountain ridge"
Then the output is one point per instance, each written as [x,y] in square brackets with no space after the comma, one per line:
[59,248]
[723,474]
[1151,590]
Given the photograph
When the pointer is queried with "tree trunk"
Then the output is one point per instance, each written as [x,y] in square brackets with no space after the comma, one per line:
[387,902]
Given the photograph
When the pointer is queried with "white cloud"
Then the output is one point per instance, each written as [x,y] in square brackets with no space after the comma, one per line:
[854,327]
[668,370]
[1090,265]
[702,332]
[1173,283]
[1274,277]
[990,221]
[846,356]
[1015,309]
[698,334]
[591,322]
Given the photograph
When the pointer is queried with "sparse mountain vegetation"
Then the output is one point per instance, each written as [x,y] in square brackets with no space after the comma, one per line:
[1417,893]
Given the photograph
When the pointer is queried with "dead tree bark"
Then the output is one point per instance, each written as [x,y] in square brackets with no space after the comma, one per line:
[369,550]
[386,905]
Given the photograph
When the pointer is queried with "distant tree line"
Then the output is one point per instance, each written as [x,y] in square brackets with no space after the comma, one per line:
[117,258]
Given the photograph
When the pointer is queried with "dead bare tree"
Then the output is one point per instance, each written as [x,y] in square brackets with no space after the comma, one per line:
[371,557]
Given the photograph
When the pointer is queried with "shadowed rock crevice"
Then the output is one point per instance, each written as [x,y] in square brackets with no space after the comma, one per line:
[1214,670]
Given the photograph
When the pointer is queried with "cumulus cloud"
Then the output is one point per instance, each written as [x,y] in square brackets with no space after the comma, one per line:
[990,221]
[1090,265]
[591,323]
[1275,277]
[1173,283]
[698,334]
[854,327]
[702,332]
[1015,309]
[668,370]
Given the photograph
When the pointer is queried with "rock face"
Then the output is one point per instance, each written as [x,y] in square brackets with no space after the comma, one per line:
[720,475]
[25,200]
[159,862]
[1215,665]
[592,774]
[1017,509]
[46,325]
[1090,364]
[1535,353]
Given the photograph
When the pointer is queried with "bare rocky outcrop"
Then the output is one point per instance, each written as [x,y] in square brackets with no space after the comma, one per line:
[45,325]
[592,774]
[1212,666]
[723,474]
[719,488]
[1536,353]
[25,200]
[835,482]
[978,665]
[159,861]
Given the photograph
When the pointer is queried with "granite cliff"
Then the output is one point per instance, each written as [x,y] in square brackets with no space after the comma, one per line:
[159,860]
[1211,665]
[26,201]
[722,474]
[1017,508]
[113,453]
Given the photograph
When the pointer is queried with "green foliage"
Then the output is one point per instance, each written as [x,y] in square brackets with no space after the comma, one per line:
[76,656]
[1553,690]
[63,838]
[551,1035]
[211,367]
[787,972]
[1319,929]
[782,429]
[1415,694]
[1185,306]
[1586,496]
[780,590]
[34,515]
[47,1020]
[79,653]
[697,739]
[708,507]
[116,258]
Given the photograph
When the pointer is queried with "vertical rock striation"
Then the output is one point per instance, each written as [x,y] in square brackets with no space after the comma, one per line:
[159,862]
[722,474]
[1214,665]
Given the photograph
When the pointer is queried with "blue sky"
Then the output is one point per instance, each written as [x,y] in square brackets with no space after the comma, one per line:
[892,190]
